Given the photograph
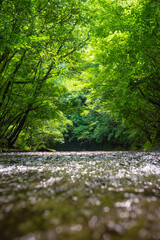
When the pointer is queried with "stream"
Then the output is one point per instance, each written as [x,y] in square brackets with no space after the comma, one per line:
[80,196]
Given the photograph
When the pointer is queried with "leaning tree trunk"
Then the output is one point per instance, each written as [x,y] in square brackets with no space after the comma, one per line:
[13,137]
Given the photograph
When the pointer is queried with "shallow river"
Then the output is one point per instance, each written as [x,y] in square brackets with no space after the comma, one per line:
[80,196]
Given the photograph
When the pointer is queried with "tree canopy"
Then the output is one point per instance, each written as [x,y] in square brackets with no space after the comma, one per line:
[87,67]
[37,38]
[125,50]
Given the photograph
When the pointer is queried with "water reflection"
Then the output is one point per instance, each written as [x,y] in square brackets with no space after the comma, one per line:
[90,195]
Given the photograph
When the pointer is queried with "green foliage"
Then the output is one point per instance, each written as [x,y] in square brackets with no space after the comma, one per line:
[36,38]
[93,126]
[125,50]
[39,135]
[56,54]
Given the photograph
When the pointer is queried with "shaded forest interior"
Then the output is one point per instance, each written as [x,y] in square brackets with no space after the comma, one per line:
[79,75]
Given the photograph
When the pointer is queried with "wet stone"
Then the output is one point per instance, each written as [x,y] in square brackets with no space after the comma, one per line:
[80,195]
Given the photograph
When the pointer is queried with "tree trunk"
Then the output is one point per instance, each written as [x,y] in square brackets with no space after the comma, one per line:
[13,137]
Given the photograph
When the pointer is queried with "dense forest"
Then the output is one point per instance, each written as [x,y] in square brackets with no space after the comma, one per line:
[80,75]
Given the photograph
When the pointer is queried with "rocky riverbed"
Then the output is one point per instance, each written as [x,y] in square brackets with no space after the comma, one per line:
[80,196]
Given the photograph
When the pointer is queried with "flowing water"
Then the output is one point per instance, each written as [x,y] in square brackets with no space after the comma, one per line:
[80,196]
